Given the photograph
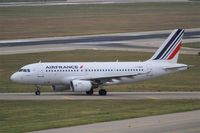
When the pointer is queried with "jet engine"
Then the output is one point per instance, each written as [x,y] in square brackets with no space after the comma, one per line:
[80,85]
[59,88]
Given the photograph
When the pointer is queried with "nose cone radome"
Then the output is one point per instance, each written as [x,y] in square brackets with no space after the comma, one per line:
[14,78]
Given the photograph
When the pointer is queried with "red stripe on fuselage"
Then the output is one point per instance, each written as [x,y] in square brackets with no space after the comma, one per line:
[175,51]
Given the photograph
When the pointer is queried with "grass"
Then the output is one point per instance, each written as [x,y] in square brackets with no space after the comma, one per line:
[46,21]
[24,116]
[184,81]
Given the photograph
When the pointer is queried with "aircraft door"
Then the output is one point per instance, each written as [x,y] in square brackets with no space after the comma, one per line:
[40,73]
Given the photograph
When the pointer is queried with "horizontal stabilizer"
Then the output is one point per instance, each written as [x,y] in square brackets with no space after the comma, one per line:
[175,67]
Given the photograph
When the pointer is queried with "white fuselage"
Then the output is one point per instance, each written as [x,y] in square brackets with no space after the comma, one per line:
[58,73]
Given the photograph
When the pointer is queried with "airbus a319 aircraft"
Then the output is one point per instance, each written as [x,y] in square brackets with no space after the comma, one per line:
[87,76]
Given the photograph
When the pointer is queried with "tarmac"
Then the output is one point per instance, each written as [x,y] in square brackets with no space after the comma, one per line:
[187,122]
[109,96]
[77,2]
[133,41]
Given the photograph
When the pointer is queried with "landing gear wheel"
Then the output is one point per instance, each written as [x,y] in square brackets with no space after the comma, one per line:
[90,92]
[102,92]
[37,92]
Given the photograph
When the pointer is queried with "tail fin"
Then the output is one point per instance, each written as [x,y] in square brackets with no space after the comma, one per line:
[170,49]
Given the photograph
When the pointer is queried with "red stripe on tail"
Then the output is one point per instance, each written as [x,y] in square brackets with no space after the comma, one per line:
[175,51]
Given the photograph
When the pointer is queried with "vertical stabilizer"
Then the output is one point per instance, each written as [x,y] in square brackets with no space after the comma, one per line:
[170,49]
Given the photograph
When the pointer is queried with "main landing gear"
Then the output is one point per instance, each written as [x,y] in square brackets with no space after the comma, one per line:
[37,92]
[90,92]
[102,92]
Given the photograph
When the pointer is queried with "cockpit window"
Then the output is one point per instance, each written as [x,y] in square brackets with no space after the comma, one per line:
[20,70]
[24,70]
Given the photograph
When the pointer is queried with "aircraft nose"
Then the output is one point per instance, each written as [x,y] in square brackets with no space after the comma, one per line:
[14,77]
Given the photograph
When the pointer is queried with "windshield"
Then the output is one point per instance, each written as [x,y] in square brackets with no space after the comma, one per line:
[24,70]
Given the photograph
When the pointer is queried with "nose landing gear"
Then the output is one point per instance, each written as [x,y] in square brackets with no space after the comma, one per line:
[37,92]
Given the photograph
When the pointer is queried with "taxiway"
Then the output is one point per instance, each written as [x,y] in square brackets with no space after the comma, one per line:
[187,122]
[77,2]
[134,41]
[109,96]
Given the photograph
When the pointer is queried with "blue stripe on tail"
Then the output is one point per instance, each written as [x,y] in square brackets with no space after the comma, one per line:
[172,46]
[168,44]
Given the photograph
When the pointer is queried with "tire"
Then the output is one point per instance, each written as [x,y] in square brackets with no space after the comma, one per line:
[102,92]
[37,93]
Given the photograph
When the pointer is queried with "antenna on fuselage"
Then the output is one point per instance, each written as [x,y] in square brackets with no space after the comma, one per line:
[40,61]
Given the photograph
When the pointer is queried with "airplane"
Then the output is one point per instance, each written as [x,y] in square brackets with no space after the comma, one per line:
[87,76]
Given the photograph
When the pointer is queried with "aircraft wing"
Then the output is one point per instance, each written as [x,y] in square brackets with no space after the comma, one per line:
[102,79]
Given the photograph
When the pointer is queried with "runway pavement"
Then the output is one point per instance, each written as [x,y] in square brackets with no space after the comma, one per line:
[135,41]
[77,2]
[111,95]
[99,39]
[187,122]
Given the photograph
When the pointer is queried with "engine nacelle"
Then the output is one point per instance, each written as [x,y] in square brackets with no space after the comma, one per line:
[59,88]
[80,85]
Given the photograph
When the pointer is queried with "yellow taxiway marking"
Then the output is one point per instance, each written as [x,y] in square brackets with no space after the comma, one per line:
[67,98]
